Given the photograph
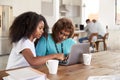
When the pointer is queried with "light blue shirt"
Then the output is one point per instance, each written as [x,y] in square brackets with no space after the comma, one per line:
[46,46]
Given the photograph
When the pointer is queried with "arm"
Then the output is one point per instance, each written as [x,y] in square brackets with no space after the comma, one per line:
[36,61]
[86,28]
[67,48]
[41,47]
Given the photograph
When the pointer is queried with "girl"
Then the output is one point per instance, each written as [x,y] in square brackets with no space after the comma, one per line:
[24,30]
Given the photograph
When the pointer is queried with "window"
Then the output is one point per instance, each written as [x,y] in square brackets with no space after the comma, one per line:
[92,10]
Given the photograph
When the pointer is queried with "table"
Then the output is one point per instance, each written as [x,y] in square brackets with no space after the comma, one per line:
[103,63]
[78,34]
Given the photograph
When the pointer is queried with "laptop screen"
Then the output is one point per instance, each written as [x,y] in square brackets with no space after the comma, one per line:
[75,56]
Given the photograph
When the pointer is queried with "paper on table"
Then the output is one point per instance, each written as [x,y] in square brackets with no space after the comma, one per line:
[107,77]
[26,74]
[10,78]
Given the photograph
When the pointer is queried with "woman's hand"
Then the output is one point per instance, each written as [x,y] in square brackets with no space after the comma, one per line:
[66,57]
[60,56]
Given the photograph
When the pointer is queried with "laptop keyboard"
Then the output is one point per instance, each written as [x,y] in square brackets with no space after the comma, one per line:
[63,62]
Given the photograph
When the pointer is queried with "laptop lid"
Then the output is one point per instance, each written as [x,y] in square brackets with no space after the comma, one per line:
[75,55]
[81,27]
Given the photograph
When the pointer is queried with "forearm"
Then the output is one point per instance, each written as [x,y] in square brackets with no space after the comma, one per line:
[42,59]
[37,61]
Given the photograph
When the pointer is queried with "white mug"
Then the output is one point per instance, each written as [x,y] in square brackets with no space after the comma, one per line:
[52,66]
[87,58]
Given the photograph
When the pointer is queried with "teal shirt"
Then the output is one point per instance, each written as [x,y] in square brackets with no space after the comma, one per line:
[46,46]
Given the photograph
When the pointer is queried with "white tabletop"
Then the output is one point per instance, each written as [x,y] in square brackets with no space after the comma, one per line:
[79,31]
[76,31]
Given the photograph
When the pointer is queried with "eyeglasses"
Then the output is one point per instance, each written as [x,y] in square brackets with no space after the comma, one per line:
[64,34]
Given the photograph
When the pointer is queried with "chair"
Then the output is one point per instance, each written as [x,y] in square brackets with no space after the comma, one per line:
[102,40]
[92,40]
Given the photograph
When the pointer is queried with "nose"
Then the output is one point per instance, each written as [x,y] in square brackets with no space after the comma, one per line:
[64,37]
[42,31]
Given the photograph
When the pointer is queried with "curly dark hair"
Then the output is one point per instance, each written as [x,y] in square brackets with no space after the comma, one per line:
[63,24]
[25,24]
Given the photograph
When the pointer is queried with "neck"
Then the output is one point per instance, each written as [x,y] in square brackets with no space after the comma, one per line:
[55,39]
[31,39]
[61,48]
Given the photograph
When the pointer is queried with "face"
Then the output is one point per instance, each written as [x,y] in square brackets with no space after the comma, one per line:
[39,30]
[62,35]
[88,22]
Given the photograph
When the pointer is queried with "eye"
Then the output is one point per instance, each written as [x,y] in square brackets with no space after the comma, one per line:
[41,27]
[64,34]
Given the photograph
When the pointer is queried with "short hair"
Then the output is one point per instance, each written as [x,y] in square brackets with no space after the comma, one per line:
[94,20]
[25,24]
[87,20]
[63,24]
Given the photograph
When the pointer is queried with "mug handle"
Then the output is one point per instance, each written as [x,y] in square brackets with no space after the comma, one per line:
[48,65]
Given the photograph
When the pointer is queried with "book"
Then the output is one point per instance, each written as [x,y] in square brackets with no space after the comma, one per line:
[25,74]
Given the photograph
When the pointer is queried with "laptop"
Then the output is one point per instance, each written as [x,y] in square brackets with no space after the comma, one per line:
[75,55]
[81,27]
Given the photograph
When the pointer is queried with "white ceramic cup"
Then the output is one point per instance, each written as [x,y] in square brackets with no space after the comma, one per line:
[52,66]
[87,58]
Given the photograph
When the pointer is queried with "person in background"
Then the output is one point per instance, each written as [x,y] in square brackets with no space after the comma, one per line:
[100,29]
[89,29]
[59,41]
[24,30]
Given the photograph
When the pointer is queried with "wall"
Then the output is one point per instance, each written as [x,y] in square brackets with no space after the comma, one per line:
[106,10]
[6,2]
[36,6]
[107,13]
[52,19]
[20,6]
[89,10]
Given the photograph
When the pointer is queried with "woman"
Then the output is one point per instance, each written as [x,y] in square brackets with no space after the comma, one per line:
[59,41]
[24,30]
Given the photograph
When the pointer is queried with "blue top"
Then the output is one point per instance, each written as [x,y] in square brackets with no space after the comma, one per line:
[47,46]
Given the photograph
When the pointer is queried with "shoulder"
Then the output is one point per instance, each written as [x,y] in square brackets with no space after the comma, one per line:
[69,40]
[44,38]
[24,41]
[49,36]
[50,39]
[22,44]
